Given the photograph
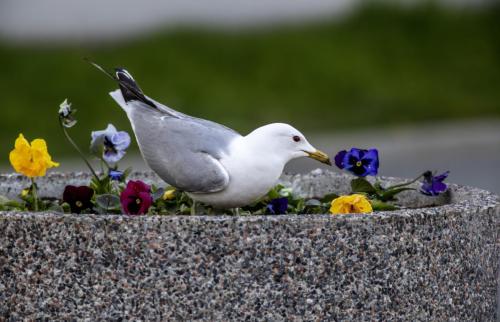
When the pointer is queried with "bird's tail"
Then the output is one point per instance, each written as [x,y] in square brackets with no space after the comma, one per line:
[128,86]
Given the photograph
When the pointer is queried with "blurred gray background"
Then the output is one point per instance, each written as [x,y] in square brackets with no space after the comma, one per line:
[418,80]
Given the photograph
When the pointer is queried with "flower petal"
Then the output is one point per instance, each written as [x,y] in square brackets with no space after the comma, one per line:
[442,176]
[439,187]
[355,203]
[356,153]
[115,175]
[136,190]
[112,157]
[121,140]
[97,140]
[31,160]
[278,206]
[339,159]
[147,200]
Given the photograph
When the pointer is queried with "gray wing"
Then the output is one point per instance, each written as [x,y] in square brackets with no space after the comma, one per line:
[184,151]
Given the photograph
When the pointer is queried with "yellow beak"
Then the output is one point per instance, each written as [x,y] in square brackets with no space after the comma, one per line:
[320,156]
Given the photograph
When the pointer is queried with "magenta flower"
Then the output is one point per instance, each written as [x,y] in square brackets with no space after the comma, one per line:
[136,198]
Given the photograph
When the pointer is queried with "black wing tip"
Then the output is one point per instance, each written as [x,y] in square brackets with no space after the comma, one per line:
[128,86]
[122,74]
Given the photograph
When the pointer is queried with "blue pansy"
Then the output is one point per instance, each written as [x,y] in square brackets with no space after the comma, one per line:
[434,185]
[115,175]
[360,162]
[111,142]
[278,206]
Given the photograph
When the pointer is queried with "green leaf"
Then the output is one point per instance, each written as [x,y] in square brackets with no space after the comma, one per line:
[158,194]
[66,207]
[101,185]
[389,194]
[285,192]
[329,197]
[274,192]
[313,203]
[301,204]
[126,173]
[3,200]
[184,209]
[108,201]
[362,185]
[14,204]
[56,208]
[378,205]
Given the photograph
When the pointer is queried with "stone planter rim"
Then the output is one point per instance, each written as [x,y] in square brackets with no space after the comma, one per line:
[462,198]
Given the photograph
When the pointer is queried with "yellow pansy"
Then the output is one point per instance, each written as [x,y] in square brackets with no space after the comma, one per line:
[31,160]
[25,192]
[169,194]
[353,204]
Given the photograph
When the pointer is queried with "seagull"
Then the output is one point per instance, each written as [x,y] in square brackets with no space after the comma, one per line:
[212,163]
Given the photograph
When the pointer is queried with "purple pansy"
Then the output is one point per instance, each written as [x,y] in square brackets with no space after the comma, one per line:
[434,185]
[111,142]
[358,161]
[278,206]
[136,198]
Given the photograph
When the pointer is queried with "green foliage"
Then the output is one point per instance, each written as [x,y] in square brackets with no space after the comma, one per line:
[361,185]
[380,196]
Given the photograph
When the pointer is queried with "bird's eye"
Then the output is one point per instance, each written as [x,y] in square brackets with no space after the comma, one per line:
[296,138]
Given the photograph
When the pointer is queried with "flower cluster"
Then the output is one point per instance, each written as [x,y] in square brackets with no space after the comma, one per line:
[366,196]
[110,191]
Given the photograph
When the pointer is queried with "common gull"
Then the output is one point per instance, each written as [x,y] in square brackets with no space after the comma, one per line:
[212,163]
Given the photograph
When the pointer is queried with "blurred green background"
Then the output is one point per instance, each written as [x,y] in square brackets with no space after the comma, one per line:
[379,66]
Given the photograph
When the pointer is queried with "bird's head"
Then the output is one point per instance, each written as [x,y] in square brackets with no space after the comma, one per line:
[285,141]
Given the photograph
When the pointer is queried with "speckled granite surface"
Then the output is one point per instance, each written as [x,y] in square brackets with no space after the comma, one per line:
[431,264]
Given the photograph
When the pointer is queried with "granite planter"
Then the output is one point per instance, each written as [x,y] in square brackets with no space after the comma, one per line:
[439,262]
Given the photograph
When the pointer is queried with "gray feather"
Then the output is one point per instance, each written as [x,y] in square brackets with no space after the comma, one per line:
[183,150]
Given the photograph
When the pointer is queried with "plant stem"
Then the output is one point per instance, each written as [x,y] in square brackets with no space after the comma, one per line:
[70,140]
[193,208]
[105,163]
[34,194]
[404,184]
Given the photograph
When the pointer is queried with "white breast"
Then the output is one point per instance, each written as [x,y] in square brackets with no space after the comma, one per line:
[251,176]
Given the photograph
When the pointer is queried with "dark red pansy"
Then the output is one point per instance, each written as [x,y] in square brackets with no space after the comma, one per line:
[78,198]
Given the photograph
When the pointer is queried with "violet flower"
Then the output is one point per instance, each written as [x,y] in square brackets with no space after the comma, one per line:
[111,142]
[358,161]
[115,175]
[278,206]
[78,198]
[434,185]
[136,198]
